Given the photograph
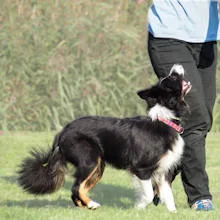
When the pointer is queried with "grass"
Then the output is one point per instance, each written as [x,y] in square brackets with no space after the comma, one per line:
[114,191]
[57,53]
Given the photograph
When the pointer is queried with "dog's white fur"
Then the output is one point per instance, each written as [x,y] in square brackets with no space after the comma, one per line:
[144,188]
[160,111]
[93,205]
[177,68]
[144,192]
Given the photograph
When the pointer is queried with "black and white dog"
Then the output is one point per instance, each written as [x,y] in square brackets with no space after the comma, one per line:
[148,147]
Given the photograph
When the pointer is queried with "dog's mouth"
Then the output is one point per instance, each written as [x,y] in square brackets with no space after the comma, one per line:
[186,87]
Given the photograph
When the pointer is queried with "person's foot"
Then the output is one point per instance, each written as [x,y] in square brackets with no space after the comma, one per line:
[203,205]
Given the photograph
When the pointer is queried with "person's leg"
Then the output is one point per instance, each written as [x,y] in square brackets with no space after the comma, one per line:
[195,179]
[207,69]
[163,54]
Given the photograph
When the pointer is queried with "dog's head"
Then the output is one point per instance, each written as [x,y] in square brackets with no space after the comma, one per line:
[169,92]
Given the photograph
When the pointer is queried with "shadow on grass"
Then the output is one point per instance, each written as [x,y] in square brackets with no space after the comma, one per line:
[113,196]
[106,194]
[109,195]
[38,203]
[10,179]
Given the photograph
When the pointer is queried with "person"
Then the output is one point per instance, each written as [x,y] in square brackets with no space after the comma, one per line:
[186,32]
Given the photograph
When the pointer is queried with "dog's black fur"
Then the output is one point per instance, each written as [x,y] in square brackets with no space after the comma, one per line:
[135,144]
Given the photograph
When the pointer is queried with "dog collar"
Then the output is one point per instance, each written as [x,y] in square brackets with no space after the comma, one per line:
[168,122]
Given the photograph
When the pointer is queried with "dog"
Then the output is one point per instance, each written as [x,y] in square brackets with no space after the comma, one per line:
[149,147]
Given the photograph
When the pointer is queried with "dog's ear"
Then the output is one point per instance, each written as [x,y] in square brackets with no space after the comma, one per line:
[148,95]
[144,94]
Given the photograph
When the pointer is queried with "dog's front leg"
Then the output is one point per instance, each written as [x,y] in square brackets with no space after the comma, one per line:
[166,195]
[144,192]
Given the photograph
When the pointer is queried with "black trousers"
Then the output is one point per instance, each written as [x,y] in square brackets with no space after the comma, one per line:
[199,62]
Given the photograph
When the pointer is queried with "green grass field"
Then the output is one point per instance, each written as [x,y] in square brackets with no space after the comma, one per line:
[114,191]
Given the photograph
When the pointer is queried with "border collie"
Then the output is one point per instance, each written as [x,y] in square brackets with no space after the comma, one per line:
[148,147]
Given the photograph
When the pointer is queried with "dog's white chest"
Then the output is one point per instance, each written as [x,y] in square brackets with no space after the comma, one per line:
[172,157]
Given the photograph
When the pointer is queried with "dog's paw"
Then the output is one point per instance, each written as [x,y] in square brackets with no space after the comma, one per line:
[141,204]
[172,209]
[93,205]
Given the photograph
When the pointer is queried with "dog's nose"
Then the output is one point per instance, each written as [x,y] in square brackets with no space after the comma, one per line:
[178,69]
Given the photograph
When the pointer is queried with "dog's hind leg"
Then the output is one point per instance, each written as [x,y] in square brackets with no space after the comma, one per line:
[166,194]
[84,183]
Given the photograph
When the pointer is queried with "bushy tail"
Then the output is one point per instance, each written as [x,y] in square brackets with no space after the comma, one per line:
[42,172]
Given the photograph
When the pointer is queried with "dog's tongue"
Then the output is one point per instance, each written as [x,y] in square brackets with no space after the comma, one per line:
[186,86]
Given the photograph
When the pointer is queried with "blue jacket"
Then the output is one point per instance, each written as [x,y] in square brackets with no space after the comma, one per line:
[193,21]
